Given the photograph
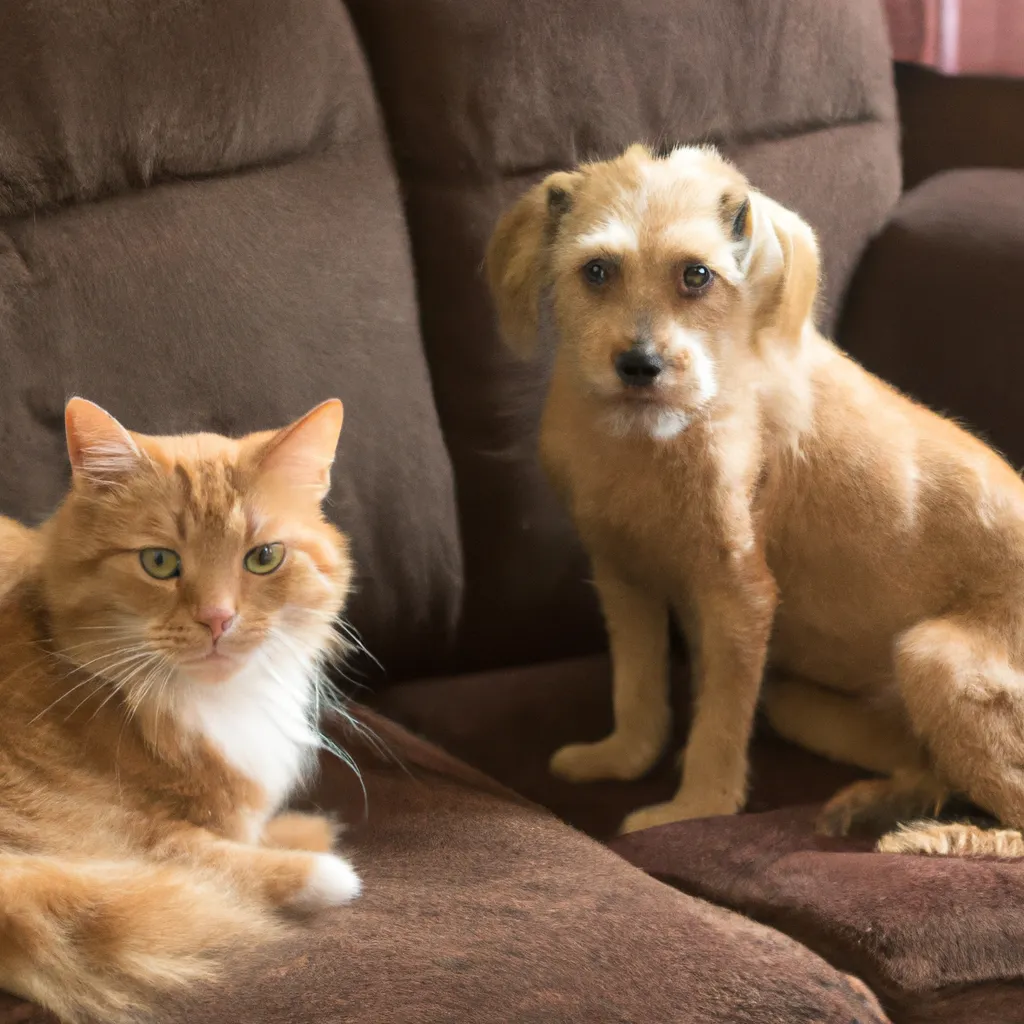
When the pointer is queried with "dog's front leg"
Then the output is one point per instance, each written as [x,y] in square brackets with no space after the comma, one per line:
[637,622]
[735,607]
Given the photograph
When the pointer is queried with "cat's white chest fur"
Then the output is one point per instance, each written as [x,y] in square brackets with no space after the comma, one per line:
[261,722]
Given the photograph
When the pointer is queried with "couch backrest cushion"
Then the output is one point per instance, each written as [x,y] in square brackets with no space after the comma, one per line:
[482,97]
[200,229]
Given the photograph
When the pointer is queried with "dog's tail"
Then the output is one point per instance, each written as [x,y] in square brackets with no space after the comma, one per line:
[100,941]
[936,839]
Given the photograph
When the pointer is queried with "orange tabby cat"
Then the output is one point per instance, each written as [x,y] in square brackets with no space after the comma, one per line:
[161,639]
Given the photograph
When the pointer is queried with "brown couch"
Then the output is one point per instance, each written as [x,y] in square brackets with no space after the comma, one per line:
[214,213]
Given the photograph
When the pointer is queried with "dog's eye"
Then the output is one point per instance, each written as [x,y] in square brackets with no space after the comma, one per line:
[696,277]
[597,272]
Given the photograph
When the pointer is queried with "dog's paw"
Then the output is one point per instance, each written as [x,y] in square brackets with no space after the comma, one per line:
[610,758]
[872,807]
[674,810]
[836,818]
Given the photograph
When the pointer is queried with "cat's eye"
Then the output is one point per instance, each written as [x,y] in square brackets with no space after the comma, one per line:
[160,563]
[266,558]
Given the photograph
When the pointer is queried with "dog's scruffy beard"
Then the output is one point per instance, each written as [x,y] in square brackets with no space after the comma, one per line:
[657,421]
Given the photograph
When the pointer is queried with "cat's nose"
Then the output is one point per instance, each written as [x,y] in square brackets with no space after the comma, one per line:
[217,620]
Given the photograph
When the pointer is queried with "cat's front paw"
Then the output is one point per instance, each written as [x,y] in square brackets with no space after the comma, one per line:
[610,758]
[332,881]
[296,831]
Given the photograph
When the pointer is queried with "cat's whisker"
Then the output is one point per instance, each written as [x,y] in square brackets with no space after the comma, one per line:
[135,693]
[102,679]
[372,740]
[164,690]
[22,669]
[106,672]
[325,694]
[115,690]
[67,693]
[97,677]
[47,642]
[120,637]
[79,650]
[92,642]
[44,656]
[91,677]
[100,683]
[351,634]
[307,651]
[83,666]
[323,741]
[107,627]
[125,673]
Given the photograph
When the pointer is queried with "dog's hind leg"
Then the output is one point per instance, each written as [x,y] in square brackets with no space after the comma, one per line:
[963,691]
[873,806]
[839,726]
[846,728]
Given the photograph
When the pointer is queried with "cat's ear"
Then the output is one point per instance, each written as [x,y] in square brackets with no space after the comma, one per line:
[301,455]
[100,449]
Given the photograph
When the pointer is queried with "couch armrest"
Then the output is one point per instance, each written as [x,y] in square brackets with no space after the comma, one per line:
[951,122]
[937,304]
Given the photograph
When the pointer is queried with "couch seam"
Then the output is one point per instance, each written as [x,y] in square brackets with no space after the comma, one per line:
[410,169]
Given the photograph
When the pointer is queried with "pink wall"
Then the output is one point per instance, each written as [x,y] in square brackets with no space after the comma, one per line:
[981,37]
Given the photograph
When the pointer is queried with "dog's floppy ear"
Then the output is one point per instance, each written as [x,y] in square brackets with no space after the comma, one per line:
[517,258]
[783,265]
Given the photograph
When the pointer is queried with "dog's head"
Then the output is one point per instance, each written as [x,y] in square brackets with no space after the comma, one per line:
[666,275]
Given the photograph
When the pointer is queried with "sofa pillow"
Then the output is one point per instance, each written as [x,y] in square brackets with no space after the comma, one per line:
[940,941]
[479,908]
[200,229]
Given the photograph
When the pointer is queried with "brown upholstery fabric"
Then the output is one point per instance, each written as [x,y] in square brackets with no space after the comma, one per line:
[940,941]
[475,90]
[230,303]
[949,123]
[269,267]
[508,723]
[937,306]
[482,97]
[479,908]
[102,97]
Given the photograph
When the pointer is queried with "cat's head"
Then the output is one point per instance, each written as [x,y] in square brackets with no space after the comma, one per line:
[188,559]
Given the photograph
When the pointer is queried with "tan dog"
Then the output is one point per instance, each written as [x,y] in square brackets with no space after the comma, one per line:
[725,462]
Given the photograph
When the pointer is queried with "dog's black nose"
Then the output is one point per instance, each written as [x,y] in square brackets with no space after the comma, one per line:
[638,367]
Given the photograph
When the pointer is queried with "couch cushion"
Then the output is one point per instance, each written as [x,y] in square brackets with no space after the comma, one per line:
[940,941]
[879,917]
[509,723]
[100,98]
[220,300]
[481,908]
[482,97]
[937,304]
